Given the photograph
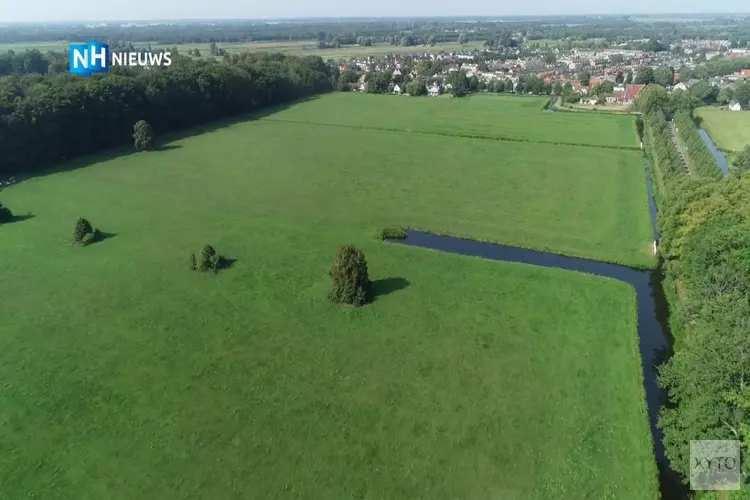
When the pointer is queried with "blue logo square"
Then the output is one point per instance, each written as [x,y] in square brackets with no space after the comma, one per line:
[88,58]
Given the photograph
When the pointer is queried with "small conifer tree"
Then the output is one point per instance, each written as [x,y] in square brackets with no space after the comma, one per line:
[351,282]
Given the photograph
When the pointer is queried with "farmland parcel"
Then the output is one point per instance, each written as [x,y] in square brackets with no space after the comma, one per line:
[127,376]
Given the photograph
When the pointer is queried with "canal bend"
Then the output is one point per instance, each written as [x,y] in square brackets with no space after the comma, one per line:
[655,342]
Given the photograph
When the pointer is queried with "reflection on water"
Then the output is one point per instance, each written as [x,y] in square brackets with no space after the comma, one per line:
[718,155]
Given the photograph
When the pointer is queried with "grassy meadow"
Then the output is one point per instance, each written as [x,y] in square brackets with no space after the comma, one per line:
[730,130]
[491,116]
[125,375]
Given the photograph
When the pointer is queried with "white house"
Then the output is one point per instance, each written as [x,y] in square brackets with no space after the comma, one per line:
[397,89]
[680,86]
[433,91]
[735,106]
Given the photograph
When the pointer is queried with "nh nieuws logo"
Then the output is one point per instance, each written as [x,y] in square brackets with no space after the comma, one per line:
[94,57]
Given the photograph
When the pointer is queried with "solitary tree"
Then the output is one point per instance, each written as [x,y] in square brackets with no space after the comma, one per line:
[5,214]
[209,259]
[143,136]
[84,233]
[351,282]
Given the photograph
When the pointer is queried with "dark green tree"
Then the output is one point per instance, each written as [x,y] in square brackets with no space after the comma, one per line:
[84,233]
[639,126]
[351,281]
[347,79]
[143,136]
[644,76]
[585,78]
[704,93]
[558,88]
[664,76]
[416,88]
[742,94]
[741,162]
[208,259]
[459,83]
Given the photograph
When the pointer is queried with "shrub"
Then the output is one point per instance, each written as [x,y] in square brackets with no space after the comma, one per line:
[143,136]
[351,282]
[209,259]
[392,233]
[83,228]
[5,214]
[89,238]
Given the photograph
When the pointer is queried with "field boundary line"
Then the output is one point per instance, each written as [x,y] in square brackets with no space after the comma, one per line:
[458,135]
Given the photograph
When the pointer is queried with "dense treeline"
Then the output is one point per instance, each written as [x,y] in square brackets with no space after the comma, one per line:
[45,119]
[705,243]
[598,32]
[702,161]
[662,151]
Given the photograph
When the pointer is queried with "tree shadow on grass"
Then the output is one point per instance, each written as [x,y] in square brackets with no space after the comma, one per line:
[164,141]
[225,263]
[103,235]
[167,147]
[386,286]
[21,218]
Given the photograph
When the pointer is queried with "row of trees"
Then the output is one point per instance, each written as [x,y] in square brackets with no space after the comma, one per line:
[702,162]
[705,228]
[45,119]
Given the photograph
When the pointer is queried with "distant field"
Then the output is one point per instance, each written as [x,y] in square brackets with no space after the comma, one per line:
[546,42]
[730,130]
[511,117]
[42,46]
[306,48]
[127,376]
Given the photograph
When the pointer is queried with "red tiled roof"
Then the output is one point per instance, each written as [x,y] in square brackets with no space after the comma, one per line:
[744,73]
[632,91]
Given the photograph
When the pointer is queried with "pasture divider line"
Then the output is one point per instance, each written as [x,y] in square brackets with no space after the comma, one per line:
[458,135]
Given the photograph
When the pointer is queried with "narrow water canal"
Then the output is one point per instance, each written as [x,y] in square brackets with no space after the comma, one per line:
[718,155]
[655,341]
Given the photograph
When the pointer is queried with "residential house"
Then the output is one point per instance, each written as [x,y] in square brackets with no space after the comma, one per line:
[397,89]
[735,106]
[680,86]
[631,93]
[433,90]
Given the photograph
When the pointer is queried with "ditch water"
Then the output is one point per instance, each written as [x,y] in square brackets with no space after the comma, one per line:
[718,155]
[655,339]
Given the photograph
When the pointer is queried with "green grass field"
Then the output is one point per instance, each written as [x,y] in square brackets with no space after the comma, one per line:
[298,48]
[125,375]
[730,130]
[509,117]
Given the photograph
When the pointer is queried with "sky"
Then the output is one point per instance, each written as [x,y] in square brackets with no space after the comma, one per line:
[85,10]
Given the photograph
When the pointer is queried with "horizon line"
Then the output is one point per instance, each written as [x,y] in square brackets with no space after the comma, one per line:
[485,17]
